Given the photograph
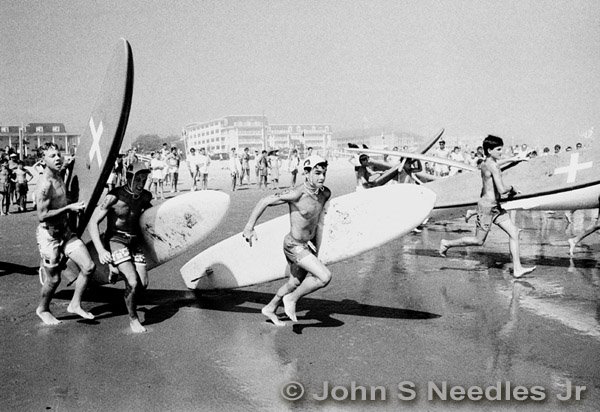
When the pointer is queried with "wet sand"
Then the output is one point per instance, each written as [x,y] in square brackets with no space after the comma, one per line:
[398,313]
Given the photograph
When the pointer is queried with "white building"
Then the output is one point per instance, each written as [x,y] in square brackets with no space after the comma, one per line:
[254,132]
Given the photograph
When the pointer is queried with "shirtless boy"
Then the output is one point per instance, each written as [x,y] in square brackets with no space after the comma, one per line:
[588,231]
[55,239]
[21,177]
[307,272]
[123,206]
[489,210]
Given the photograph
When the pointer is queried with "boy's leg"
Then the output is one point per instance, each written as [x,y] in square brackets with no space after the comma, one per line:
[295,278]
[51,282]
[477,240]
[132,284]
[319,276]
[513,233]
[575,240]
[79,254]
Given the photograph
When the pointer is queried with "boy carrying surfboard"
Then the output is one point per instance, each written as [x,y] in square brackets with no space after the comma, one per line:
[124,206]
[489,209]
[56,239]
[306,204]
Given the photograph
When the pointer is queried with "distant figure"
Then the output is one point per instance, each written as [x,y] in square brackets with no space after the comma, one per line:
[489,210]
[157,166]
[263,169]
[245,169]
[274,161]
[546,151]
[192,162]
[234,168]
[21,178]
[203,162]
[173,162]
[557,149]
[457,156]
[4,187]
[293,165]
[578,146]
[256,169]
[442,152]
[568,149]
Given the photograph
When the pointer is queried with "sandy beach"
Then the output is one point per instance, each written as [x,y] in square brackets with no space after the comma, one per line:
[396,314]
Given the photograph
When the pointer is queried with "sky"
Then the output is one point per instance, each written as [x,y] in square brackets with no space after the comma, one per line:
[525,70]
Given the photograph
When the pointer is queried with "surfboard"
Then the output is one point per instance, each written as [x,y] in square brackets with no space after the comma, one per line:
[350,225]
[101,141]
[170,229]
[567,181]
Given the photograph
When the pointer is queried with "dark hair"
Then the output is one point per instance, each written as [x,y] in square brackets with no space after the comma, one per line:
[491,142]
[309,148]
[362,157]
[47,146]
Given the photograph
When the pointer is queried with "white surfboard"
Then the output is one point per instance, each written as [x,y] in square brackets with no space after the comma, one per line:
[170,229]
[351,224]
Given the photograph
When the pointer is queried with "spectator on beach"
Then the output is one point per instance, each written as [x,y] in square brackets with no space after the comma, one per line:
[274,164]
[256,169]
[4,187]
[263,169]
[457,156]
[442,152]
[578,146]
[293,165]
[557,149]
[203,163]
[234,168]
[21,178]
[157,167]
[546,151]
[173,162]
[192,162]
[245,167]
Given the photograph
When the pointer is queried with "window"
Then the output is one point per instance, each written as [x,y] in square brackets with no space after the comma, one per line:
[56,129]
[3,129]
[39,129]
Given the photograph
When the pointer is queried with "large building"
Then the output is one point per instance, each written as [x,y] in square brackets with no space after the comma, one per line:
[36,135]
[254,132]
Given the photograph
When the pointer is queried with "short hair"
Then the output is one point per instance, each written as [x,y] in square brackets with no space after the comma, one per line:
[362,157]
[491,142]
[47,146]
[264,151]
[309,148]
[556,147]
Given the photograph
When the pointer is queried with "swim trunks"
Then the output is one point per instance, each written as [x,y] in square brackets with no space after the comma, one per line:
[55,244]
[488,212]
[296,250]
[125,247]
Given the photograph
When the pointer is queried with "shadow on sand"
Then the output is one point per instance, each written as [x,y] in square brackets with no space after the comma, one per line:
[166,303]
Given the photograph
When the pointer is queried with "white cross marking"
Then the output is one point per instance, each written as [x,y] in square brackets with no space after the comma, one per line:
[96,135]
[573,167]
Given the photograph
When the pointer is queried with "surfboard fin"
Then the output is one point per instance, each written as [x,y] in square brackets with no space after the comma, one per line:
[207,272]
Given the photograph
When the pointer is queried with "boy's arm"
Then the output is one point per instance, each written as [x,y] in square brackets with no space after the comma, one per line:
[497,176]
[261,206]
[93,227]
[43,204]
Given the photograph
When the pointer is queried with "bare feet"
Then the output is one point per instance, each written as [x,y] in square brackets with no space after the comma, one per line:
[270,313]
[523,271]
[572,245]
[47,317]
[443,248]
[289,308]
[136,326]
[79,311]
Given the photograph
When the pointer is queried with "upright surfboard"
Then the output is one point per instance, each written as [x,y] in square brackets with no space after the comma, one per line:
[101,141]
[350,225]
[170,229]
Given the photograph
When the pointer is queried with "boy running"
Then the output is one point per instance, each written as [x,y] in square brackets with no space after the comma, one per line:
[489,210]
[56,241]
[306,203]
[123,206]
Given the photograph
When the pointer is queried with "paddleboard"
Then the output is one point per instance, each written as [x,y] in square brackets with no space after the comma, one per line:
[101,141]
[170,229]
[350,225]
